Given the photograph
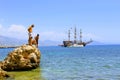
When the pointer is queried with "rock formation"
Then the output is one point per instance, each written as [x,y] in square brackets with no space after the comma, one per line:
[25,57]
[3,74]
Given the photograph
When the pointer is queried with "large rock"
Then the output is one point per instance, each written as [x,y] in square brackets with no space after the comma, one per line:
[25,57]
[3,74]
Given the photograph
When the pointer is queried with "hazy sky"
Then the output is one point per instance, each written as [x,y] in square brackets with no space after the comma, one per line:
[98,19]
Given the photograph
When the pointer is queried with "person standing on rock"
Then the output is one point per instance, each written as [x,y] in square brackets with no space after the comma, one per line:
[37,38]
[30,40]
[30,34]
[30,30]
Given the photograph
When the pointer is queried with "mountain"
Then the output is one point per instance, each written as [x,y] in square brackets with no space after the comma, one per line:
[96,43]
[7,41]
[49,43]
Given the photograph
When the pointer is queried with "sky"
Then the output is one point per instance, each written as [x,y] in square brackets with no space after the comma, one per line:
[98,19]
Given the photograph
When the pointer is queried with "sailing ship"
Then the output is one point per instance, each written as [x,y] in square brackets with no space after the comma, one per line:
[75,42]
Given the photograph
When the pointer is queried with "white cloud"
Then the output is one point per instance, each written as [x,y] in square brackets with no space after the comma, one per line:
[14,31]
[92,36]
[52,35]
[17,31]
[17,28]
[20,32]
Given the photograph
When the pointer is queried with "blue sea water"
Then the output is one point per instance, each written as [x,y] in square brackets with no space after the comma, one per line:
[88,63]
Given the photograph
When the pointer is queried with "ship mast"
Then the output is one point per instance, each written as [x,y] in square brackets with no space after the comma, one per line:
[80,36]
[75,36]
[68,35]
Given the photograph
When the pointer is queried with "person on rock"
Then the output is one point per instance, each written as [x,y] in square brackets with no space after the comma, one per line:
[30,30]
[37,38]
[30,41]
[34,42]
[30,34]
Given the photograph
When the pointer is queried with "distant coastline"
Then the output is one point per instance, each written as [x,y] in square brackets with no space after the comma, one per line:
[9,46]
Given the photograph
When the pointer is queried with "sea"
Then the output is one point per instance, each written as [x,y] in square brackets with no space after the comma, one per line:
[93,62]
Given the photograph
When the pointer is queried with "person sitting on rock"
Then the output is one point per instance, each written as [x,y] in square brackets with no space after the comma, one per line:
[34,42]
[37,38]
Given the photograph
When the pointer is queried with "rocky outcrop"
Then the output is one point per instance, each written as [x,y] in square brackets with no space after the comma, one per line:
[25,57]
[3,74]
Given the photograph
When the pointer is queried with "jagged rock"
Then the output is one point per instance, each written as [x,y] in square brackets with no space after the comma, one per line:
[24,57]
[3,74]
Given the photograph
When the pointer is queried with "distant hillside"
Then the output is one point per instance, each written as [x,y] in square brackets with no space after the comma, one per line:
[49,43]
[96,43]
[6,41]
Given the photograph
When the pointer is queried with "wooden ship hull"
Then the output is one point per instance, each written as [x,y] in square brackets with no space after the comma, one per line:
[72,44]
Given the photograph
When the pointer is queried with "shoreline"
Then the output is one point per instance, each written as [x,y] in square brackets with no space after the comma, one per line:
[9,46]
